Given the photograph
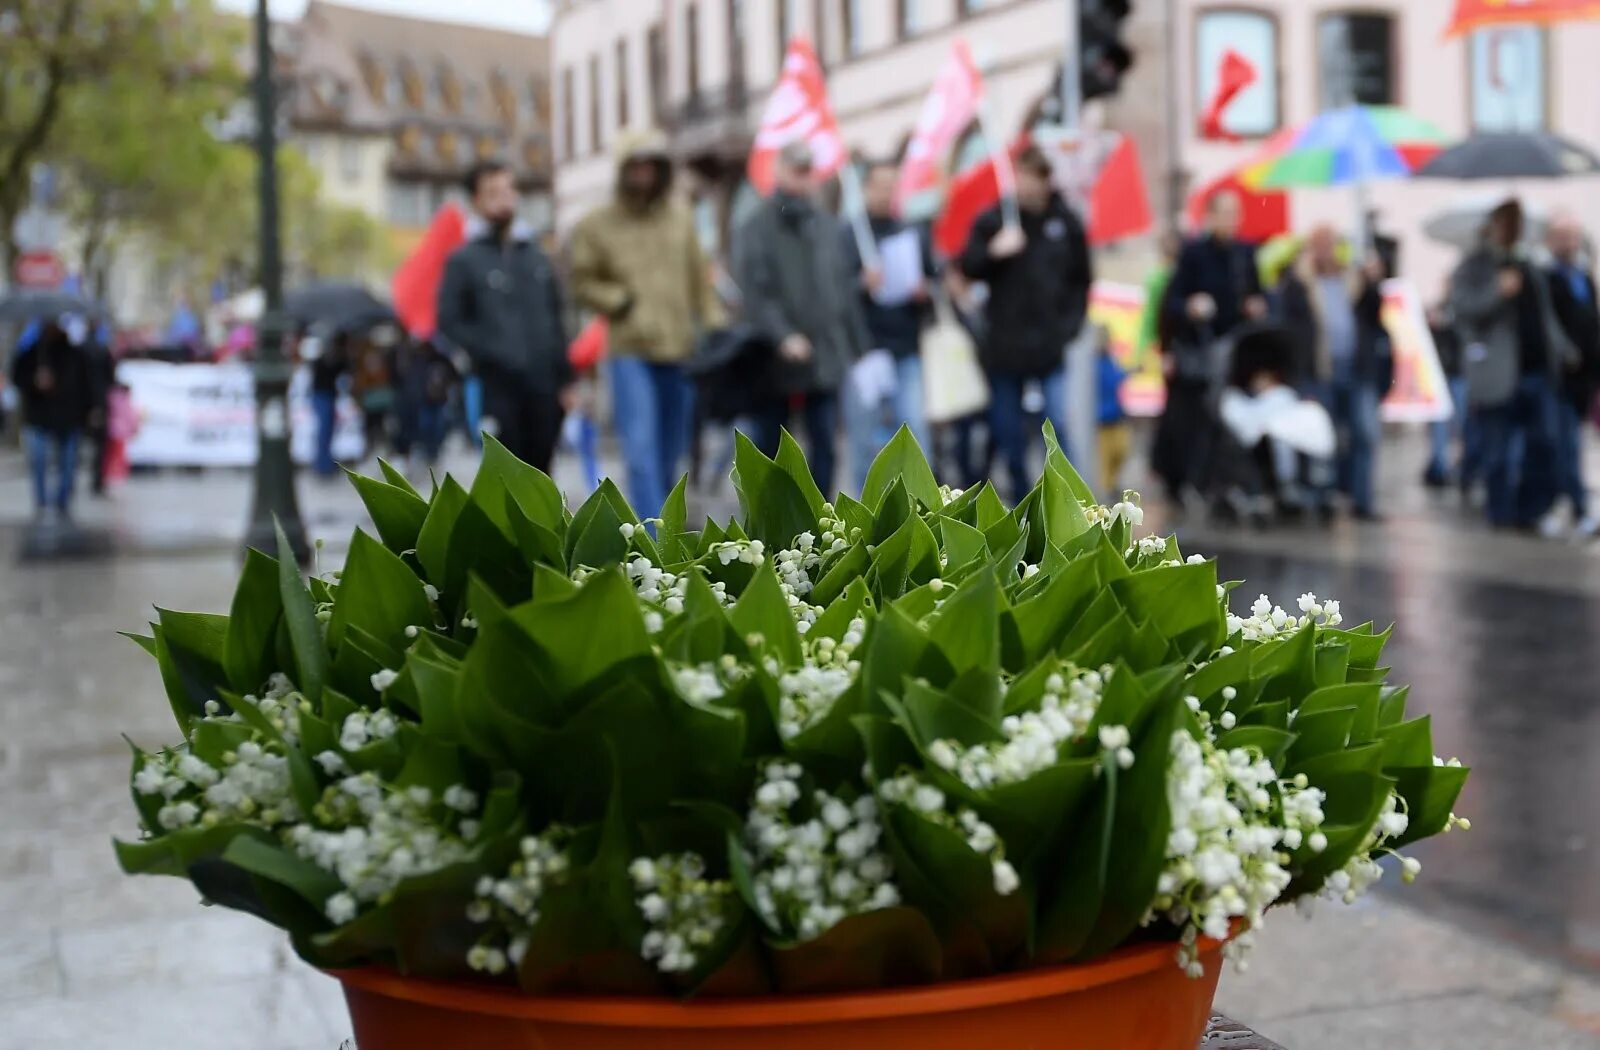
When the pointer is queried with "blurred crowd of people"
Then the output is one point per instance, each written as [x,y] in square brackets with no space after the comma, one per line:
[845,331]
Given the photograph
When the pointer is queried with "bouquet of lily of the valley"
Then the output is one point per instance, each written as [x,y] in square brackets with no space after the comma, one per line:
[830,745]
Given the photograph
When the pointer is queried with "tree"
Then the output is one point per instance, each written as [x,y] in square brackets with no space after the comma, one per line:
[136,151]
[53,51]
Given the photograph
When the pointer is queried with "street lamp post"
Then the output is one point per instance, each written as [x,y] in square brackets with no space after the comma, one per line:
[274,505]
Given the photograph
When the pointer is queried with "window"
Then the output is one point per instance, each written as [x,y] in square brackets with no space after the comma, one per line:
[910,18]
[505,100]
[349,160]
[1255,111]
[411,82]
[735,46]
[597,134]
[407,203]
[850,26]
[372,76]
[792,22]
[691,47]
[569,120]
[1507,85]
[539,102]
[1356,53]
[972,7]
[656,56]
[449,89]
[622,83]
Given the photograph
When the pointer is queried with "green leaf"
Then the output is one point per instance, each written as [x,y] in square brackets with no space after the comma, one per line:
[931,714]
[1064,519]
[563,632]
[850,567]
[253,624]
[774,507]
[762,609]
[398,513]
[273,862]
[1057,461]
[1271,743]
[793,463]
[396,477]
[990,511]
[379,593]
[433,541]
[501,474]
[1288,668]
[901,460]
[1430,792]
[963,881]
[1180,600]
[539,545]
[1408,743]
[674,515]
[962,542]
[300,620]
[595,536]
[967,628]
[1319,733]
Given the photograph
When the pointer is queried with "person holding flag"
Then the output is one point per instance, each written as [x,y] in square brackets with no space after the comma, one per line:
[1038,271]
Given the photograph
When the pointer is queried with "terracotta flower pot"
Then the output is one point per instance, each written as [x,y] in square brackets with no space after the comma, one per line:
[1134,999]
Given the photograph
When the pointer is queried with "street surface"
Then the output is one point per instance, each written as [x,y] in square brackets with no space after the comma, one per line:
[1497,945]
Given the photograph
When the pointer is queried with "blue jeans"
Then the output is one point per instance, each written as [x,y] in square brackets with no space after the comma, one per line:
[430,433]
[1569,453]
[820,412]
[472,409]
[654,408]
[868,428]
[1442,432]
[1512,436]
[1353,404]
[1008,424]
[43,446]
[322,410]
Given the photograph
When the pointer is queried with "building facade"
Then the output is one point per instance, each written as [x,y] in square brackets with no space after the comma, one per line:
[702,69]
[392,111]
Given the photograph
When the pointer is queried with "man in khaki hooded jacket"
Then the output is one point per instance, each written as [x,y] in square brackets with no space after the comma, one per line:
[637,261]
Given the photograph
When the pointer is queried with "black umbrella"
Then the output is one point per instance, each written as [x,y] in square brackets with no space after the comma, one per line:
[337,306]
[32,304]
[1512,155]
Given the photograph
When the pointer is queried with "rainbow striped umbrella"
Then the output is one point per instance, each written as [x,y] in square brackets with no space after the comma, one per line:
[1350,145]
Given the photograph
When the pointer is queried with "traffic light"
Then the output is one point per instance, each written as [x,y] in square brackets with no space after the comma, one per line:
[1102,56]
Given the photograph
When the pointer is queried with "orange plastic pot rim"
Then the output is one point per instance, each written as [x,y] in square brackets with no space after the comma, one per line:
[773,1011]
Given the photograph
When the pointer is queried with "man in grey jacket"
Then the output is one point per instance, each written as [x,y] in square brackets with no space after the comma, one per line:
[1514,355]
[500,302]
[799,294]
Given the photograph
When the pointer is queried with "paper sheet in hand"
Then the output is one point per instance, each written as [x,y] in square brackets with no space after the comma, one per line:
[874,378]
[900,256]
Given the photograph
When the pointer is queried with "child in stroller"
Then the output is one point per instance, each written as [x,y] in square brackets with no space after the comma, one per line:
[1269,442]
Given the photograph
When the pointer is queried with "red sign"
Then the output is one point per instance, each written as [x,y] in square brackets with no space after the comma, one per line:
[39,270]
[1475,14]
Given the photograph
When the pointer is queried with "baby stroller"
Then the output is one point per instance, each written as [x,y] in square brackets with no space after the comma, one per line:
[1267,441]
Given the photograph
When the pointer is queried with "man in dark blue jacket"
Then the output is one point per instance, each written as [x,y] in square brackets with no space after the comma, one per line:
[501,304]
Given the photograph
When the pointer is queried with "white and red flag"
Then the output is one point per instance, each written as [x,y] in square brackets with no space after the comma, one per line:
[798,111]
[950,107]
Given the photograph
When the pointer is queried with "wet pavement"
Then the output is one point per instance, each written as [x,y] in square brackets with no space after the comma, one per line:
[1496,945]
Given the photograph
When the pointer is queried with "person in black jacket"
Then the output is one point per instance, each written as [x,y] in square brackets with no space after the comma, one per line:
[500,303]
[1577,309]
[56,382]
[1038,275]
[1214,287]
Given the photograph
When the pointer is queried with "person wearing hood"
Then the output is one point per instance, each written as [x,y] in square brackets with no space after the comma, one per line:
[637,262]
[1515,358]
[500,304]
[799,295]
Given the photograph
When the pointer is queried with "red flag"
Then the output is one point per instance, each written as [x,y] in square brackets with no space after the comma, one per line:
[1266,214]
[1234,74]
[798,111]
[586,350]
[951,105]
[1118,205]
[969,195]
[416,283]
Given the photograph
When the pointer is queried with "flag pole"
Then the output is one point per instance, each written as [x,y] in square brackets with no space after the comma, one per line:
[853,201]
[1000,157]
